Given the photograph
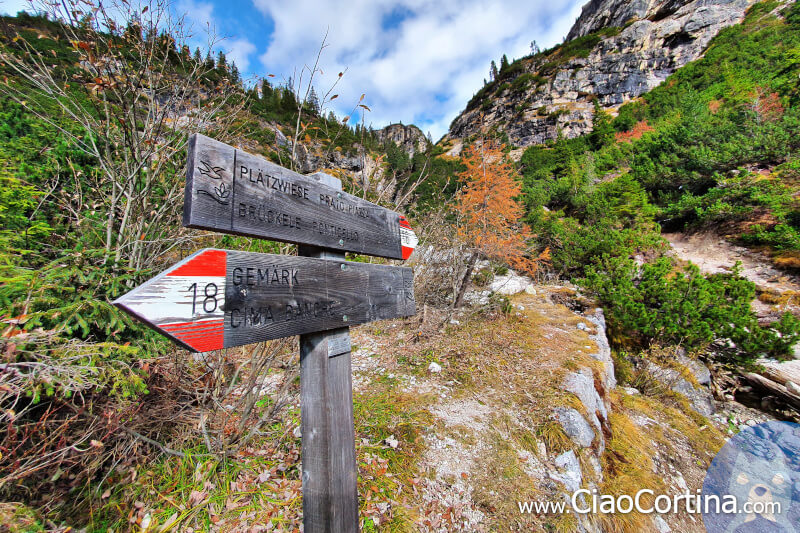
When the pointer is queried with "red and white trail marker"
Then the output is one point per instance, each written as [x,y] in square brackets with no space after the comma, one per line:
[185,302]
[408,239]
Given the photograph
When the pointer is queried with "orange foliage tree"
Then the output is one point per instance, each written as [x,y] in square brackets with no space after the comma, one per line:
[489,212]
[635,134]
[767,105]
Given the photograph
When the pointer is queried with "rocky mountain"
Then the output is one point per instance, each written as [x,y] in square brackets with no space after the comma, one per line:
[616,51]
[410,138]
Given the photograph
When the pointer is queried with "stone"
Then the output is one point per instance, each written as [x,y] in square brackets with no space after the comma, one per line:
[570,471]
[530,290]
[510,283]
[408,137]
[280,138]
[630,391]
[661,525]
[392,442]
[700,400]
[583,327]
[575,426]
[581,384]
[434,368]
[796,351]
[700,371]
[793,387]
[604,348]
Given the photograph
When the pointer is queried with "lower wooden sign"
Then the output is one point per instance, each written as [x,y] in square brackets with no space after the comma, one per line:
[219,299]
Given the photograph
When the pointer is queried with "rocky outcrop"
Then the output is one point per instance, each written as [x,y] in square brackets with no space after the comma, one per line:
[409,138]
[599,14]
[655,38]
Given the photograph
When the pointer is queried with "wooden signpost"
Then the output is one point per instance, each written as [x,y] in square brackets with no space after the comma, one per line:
[231,191]
[218,299]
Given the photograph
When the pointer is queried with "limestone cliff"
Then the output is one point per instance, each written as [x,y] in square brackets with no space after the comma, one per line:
[410,138]
[616,51]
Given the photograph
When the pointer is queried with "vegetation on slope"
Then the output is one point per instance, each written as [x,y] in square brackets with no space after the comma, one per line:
[714,145]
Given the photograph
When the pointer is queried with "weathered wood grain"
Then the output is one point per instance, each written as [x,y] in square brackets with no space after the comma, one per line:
[220,299]
[330,493]
[309,295]
[232,191]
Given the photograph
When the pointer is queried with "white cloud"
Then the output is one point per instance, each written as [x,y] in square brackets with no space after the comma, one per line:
[239,51]
[200,16]
[422,68]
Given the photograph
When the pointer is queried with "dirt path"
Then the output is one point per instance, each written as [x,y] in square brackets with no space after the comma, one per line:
[713,254]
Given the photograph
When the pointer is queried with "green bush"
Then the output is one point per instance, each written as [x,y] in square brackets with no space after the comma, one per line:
[657,303]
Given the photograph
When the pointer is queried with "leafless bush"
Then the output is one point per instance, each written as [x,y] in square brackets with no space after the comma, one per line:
[439,260]
[135,98]
[239,394]
[61,428]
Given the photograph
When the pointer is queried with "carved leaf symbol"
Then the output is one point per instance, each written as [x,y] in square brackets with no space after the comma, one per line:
[222,191]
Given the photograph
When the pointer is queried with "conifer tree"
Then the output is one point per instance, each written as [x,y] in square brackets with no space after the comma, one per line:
[235,78]
[603,129]
[490,214]
[313,100]
[503,64]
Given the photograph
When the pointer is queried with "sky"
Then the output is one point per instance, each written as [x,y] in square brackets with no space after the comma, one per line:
[417,61]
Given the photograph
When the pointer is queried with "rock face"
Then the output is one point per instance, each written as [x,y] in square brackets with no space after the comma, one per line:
[599,14]
[409,138]
[654,38]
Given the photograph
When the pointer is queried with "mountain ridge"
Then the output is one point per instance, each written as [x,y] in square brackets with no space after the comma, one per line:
[615,52]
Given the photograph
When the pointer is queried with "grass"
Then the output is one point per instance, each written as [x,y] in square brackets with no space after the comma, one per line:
[500,481]
[19,518]
[628,467]
[386,473]
[262,484]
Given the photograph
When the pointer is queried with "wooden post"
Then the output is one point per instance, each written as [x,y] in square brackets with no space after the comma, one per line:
[330,493]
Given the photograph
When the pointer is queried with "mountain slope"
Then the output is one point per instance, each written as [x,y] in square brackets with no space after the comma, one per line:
[615,52]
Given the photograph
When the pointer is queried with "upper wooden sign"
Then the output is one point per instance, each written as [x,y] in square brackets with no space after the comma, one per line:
[231,191]
[220,299]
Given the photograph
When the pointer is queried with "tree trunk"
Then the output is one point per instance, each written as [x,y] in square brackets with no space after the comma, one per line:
[465,280]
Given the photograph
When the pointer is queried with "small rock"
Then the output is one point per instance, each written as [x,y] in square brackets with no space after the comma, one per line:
[793,387]
[530,290]
[575,426]
[434,368]
[572,476]
[582,326]
[392,442]
[297,432]
[455,322]
[661,525]
[521,307]
[751,423]
[541,447]
[796,351]
[630,390]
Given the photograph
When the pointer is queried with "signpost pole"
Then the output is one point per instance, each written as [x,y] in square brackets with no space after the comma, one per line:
[330,493]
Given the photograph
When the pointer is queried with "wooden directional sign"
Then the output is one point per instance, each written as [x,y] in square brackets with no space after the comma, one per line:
[219,299]
[231,191]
